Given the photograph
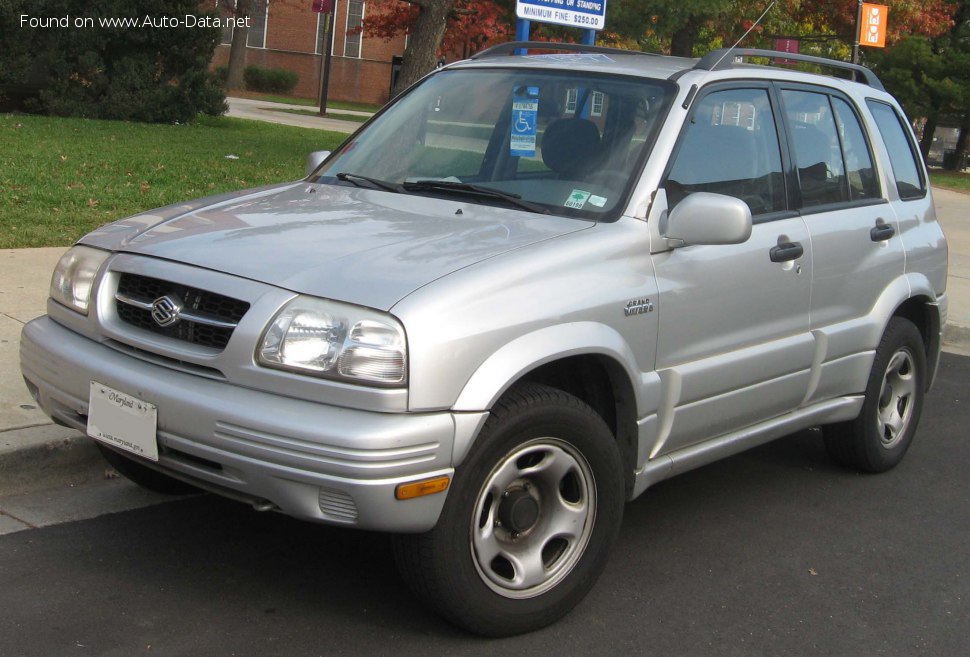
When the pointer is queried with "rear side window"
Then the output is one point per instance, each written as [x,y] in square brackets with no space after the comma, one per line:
[902,154]
[730,147]
[817,152]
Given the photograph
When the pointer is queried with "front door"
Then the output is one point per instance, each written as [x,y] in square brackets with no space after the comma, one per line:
[734,344]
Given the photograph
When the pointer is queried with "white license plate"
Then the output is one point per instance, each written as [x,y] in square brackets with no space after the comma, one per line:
[121,420]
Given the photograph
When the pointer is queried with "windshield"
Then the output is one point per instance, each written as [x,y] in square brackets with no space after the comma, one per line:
[559,142]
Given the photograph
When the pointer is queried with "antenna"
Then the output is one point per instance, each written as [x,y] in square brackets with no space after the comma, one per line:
[753,25]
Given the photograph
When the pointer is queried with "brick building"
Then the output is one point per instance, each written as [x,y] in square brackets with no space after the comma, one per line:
[287,34]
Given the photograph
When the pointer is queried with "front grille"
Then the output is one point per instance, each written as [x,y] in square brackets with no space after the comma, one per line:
[202,318]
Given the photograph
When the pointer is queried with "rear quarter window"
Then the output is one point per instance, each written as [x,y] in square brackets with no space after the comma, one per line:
[902,152]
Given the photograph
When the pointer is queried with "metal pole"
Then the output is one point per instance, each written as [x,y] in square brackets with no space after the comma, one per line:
[855,39]
[589,37]
[325,62]
[522,28]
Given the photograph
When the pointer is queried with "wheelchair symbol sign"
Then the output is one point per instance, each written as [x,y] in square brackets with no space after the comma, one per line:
[522,122]
[525,111]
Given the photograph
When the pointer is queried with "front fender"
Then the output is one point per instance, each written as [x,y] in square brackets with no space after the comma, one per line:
[527,352]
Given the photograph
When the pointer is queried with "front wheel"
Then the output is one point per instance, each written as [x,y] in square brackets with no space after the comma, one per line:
[529,520]
[877,440]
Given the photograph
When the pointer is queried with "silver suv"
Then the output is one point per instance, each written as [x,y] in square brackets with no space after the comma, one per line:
[529,289]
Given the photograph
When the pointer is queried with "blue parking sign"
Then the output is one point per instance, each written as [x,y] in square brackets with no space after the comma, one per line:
[525,115]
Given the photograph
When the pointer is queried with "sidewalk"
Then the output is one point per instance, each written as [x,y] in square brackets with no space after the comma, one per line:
[32,448]
[261,110]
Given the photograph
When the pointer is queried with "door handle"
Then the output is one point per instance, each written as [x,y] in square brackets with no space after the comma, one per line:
[881,231]
[786,251]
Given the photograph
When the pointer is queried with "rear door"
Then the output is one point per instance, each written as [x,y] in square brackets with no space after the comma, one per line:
[856,248]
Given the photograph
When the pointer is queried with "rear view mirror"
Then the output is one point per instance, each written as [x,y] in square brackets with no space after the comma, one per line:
[705,218]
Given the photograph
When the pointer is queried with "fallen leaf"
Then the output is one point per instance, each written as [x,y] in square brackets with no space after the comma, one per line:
[812,572]
[145,187]
[92,203]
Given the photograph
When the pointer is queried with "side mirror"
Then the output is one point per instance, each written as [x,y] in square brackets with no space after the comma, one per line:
[704,218]
[315,159]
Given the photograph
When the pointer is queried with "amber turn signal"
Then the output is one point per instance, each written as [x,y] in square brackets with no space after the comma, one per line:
[422,488]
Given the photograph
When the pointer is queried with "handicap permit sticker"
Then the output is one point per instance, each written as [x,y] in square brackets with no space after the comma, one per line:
[577,199]
[525,112]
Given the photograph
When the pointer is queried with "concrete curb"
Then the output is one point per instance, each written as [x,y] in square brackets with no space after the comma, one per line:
[36,457]
[956,339]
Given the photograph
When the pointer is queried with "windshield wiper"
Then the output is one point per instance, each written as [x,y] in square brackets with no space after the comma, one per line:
[373,183]
[474,190]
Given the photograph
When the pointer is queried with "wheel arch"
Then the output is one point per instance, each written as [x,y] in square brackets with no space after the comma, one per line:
[587,360]
[922,309]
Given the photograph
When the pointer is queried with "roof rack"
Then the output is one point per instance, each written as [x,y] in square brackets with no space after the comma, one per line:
[724,58]
[511,47]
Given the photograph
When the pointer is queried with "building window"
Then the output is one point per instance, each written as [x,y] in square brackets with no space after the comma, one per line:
[227,11]
[597,107]
[257,24]
[572,96]
[355,19]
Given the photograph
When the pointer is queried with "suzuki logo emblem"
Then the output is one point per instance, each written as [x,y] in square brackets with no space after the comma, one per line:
[165,310]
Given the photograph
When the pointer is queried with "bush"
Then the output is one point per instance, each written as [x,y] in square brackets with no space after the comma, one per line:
[222,74]
[269,80]
[150,74]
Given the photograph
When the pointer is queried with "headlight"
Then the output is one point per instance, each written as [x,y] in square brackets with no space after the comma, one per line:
[73,281]
[337,341]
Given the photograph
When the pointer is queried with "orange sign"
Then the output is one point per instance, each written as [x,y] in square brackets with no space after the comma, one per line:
[872,30]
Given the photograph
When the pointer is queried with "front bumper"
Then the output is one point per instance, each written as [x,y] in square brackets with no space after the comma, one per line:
[309,460]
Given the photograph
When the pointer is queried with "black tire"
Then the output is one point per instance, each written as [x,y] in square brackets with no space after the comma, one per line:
[145,476]
[561,472]
[878,439]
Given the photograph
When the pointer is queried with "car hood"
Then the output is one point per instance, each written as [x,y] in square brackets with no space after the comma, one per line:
[356,245]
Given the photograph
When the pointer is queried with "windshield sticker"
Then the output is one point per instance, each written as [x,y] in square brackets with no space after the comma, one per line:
[598,201]
[525,111]
[577,199]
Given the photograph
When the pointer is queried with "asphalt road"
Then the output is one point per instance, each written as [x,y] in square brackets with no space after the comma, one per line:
[773,552]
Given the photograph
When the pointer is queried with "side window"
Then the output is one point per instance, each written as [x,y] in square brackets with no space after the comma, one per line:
[730,147]
[815,142]
[858,160]
[902,155]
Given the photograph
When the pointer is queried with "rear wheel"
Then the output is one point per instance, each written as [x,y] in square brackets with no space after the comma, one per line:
[529,520]
[878,439]
[145,476]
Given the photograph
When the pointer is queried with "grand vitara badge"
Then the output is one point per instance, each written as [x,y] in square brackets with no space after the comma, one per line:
[638,307]
[166,310]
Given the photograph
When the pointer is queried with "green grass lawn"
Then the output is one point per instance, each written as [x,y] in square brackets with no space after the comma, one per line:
[955,180]
[61,178]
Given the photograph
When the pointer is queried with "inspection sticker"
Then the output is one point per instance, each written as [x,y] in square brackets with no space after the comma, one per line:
[598,201]
[525,113]
[577,199]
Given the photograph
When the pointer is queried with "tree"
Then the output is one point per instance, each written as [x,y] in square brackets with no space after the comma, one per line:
[242,11]
[931,79]
[453,27]
[113,71]
[681,26]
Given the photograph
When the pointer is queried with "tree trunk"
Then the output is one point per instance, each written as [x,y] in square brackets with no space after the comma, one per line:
[237,51]
[421,55]
[927,140]
[960,156]
[682,41]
